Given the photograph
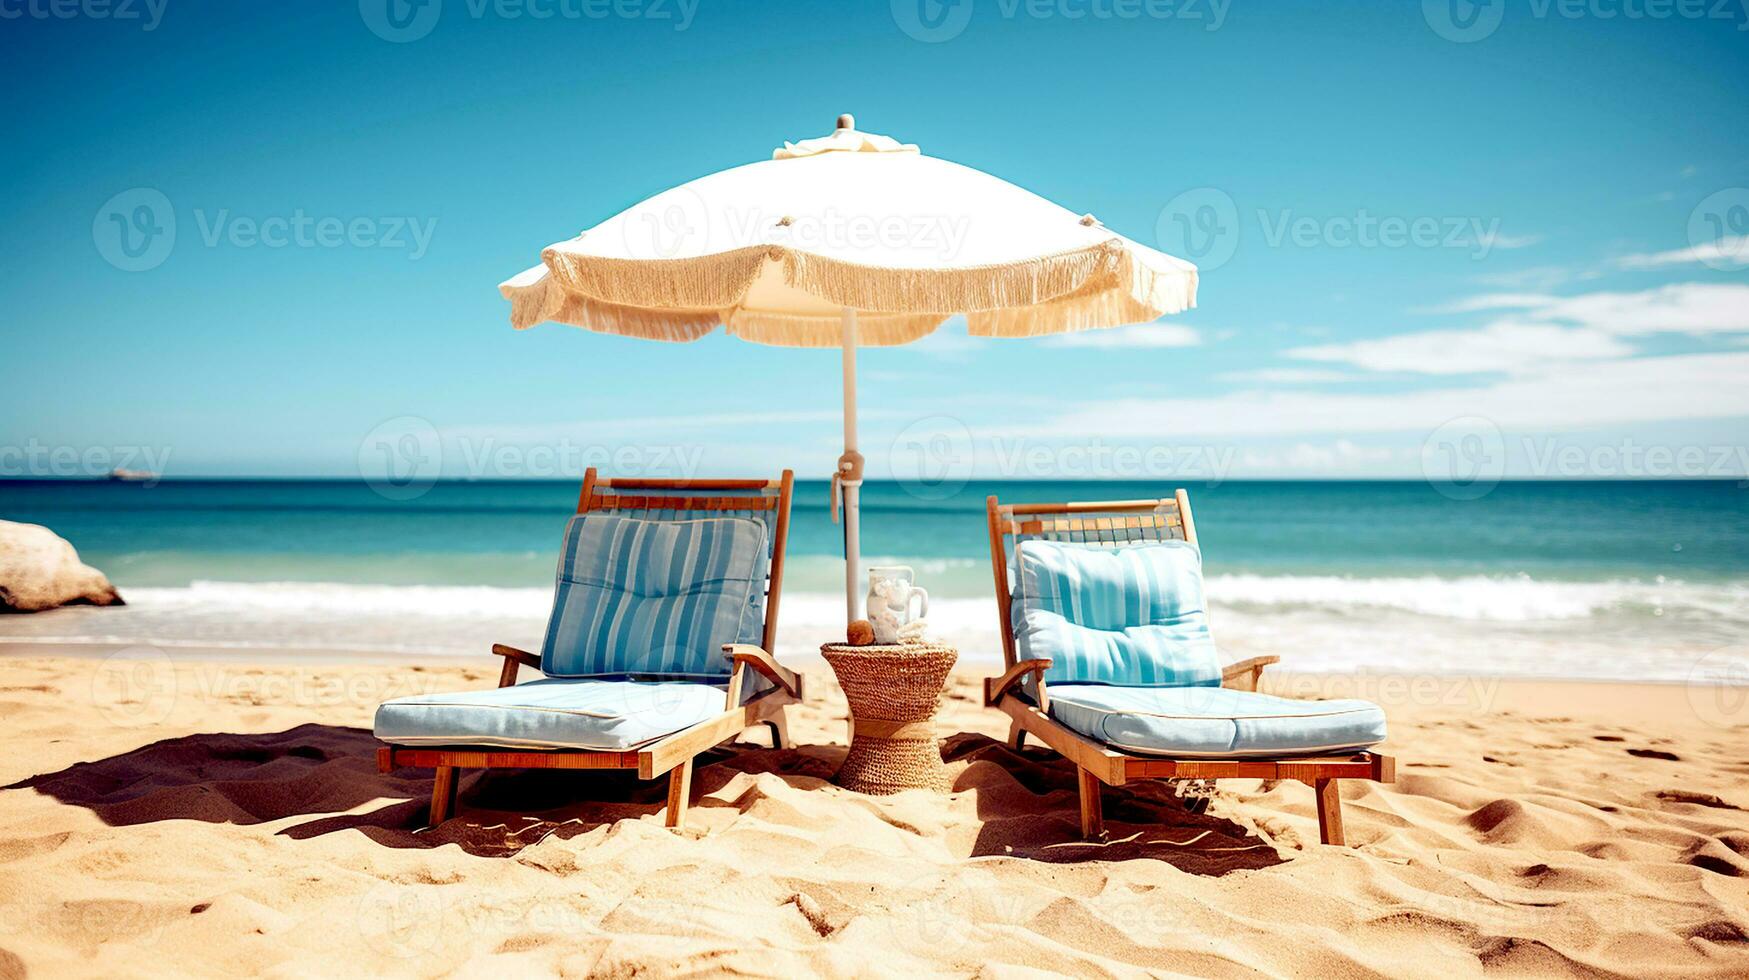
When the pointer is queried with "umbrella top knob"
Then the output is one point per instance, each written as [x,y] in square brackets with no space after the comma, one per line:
[846,121]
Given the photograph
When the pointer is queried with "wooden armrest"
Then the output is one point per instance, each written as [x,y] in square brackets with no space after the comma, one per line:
[995,687]
[748,655]
[1244,675]
[513,658]
[522,657]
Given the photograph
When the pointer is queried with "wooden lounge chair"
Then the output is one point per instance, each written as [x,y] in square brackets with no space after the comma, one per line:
[673,752]
[1021,692]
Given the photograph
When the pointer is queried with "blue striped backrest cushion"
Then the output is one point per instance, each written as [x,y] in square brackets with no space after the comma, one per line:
[655,597]
[1132,615]
[767,518]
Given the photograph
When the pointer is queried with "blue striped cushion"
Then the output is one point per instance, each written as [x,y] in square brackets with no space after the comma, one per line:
[1132,615]
[654,597]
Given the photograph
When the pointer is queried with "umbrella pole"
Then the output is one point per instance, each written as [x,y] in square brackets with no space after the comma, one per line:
[850,477]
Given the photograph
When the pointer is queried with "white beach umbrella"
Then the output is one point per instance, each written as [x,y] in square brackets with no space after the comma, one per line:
[849,240]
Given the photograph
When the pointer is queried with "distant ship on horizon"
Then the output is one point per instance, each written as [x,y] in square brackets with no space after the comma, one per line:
[132,476]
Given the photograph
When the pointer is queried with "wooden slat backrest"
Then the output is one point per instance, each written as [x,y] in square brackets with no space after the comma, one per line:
[1098,522]
[767,501]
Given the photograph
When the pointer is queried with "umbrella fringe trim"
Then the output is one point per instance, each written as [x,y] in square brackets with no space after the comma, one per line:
[948,291]
[683,299]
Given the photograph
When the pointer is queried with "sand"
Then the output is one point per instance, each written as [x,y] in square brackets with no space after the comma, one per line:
[222,818]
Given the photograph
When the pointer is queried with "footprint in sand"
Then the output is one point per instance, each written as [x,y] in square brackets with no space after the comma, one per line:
[1655,754]
[1713,855]
[1702,799]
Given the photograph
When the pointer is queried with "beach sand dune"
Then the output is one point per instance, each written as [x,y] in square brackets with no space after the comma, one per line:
[217,819]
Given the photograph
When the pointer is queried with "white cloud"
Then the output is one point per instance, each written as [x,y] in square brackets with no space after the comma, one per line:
[1495,239]
[1647,389]
[1493,301]
[1539,277]
[1507,345]
[1290,376]
[1690,307]
[1135,335]
[1547,330]
[1726,252]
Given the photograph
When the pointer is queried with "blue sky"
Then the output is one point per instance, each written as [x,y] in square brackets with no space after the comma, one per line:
[1572,185]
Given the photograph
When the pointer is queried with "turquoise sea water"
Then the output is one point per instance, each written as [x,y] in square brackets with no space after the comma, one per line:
[1631,574]
[506,533]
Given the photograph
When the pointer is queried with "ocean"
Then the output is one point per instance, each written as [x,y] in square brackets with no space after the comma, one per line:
[1640,580]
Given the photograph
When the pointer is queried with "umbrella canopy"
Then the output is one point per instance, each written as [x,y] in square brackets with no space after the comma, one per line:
[846,240]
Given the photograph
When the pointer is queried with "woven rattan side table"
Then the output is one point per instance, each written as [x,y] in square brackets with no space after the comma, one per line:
[894,692]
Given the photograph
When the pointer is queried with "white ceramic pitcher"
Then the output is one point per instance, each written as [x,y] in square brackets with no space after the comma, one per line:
[891,591]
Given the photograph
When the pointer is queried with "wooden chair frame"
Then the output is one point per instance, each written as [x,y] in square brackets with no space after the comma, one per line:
[671,754]
[1118,521]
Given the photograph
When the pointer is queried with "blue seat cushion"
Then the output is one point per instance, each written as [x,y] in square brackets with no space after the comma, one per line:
[554,713]
[655,597]
[1210,722]
[1131,615]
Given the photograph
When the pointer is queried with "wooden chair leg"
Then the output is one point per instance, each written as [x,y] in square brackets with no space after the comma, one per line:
[1016,736]
[779,725]
[1092,817]
[679,794]
[442,794]
[1329,812]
